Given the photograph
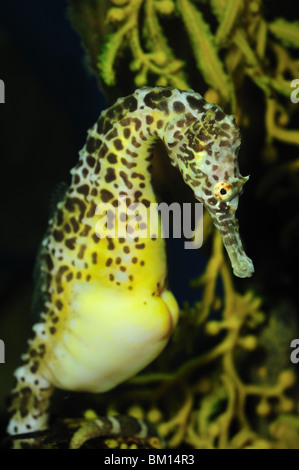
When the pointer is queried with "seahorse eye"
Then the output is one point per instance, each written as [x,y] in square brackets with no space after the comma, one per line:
[223,191]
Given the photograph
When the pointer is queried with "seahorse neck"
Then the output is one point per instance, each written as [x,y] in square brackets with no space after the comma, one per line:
[118,160]
[118,152]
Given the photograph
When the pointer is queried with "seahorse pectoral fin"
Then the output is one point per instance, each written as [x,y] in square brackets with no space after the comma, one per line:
[241,264]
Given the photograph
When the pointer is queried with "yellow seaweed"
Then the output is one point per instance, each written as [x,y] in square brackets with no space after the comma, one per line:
[204,48]
[286,31]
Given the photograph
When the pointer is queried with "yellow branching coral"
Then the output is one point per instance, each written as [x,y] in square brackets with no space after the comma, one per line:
[158,59]
[204,48]
[242,36]
[286,32]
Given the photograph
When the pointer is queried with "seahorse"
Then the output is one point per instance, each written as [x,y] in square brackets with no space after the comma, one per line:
[106,309]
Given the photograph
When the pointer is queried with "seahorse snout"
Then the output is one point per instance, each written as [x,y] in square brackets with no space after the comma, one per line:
[241,264]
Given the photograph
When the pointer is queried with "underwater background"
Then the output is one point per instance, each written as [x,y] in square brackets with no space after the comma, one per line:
[226,379]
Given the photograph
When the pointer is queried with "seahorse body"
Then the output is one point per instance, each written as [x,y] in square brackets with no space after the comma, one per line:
[107,312]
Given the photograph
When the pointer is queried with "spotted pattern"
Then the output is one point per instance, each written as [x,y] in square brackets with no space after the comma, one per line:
[77,255]
[124,426]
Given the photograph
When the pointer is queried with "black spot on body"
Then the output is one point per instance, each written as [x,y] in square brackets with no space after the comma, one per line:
[59,304]
[92,209]
[110,175]
[224,143]
[34,367]
[110,244]
[127,133]
[195,103]
[81,251]
[140,246]
[128,164]
[112,134]
[137,195]
[178,135]
[107,126]
[135,143]
[95,238]
[106,195]
[118,144]
[132,154]
[125,122]
[112,158]
[146,202]
[131,103]
[59,217]
[97,168]
[126,180]
[138,175]
[70,243]
[90,161]
[72,202]
[178,107]
[163,106]
[58,235]
[220,115]
[138,124]
[155,100]
[100,125]
[212,200]
[103,150]
[207,192]
[149,119]
[84,189]
[49,261]
[92,144]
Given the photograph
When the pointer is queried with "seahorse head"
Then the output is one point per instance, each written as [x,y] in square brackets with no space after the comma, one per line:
[206,152]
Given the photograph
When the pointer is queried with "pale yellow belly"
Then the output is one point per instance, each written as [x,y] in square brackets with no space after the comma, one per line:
[108,337]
